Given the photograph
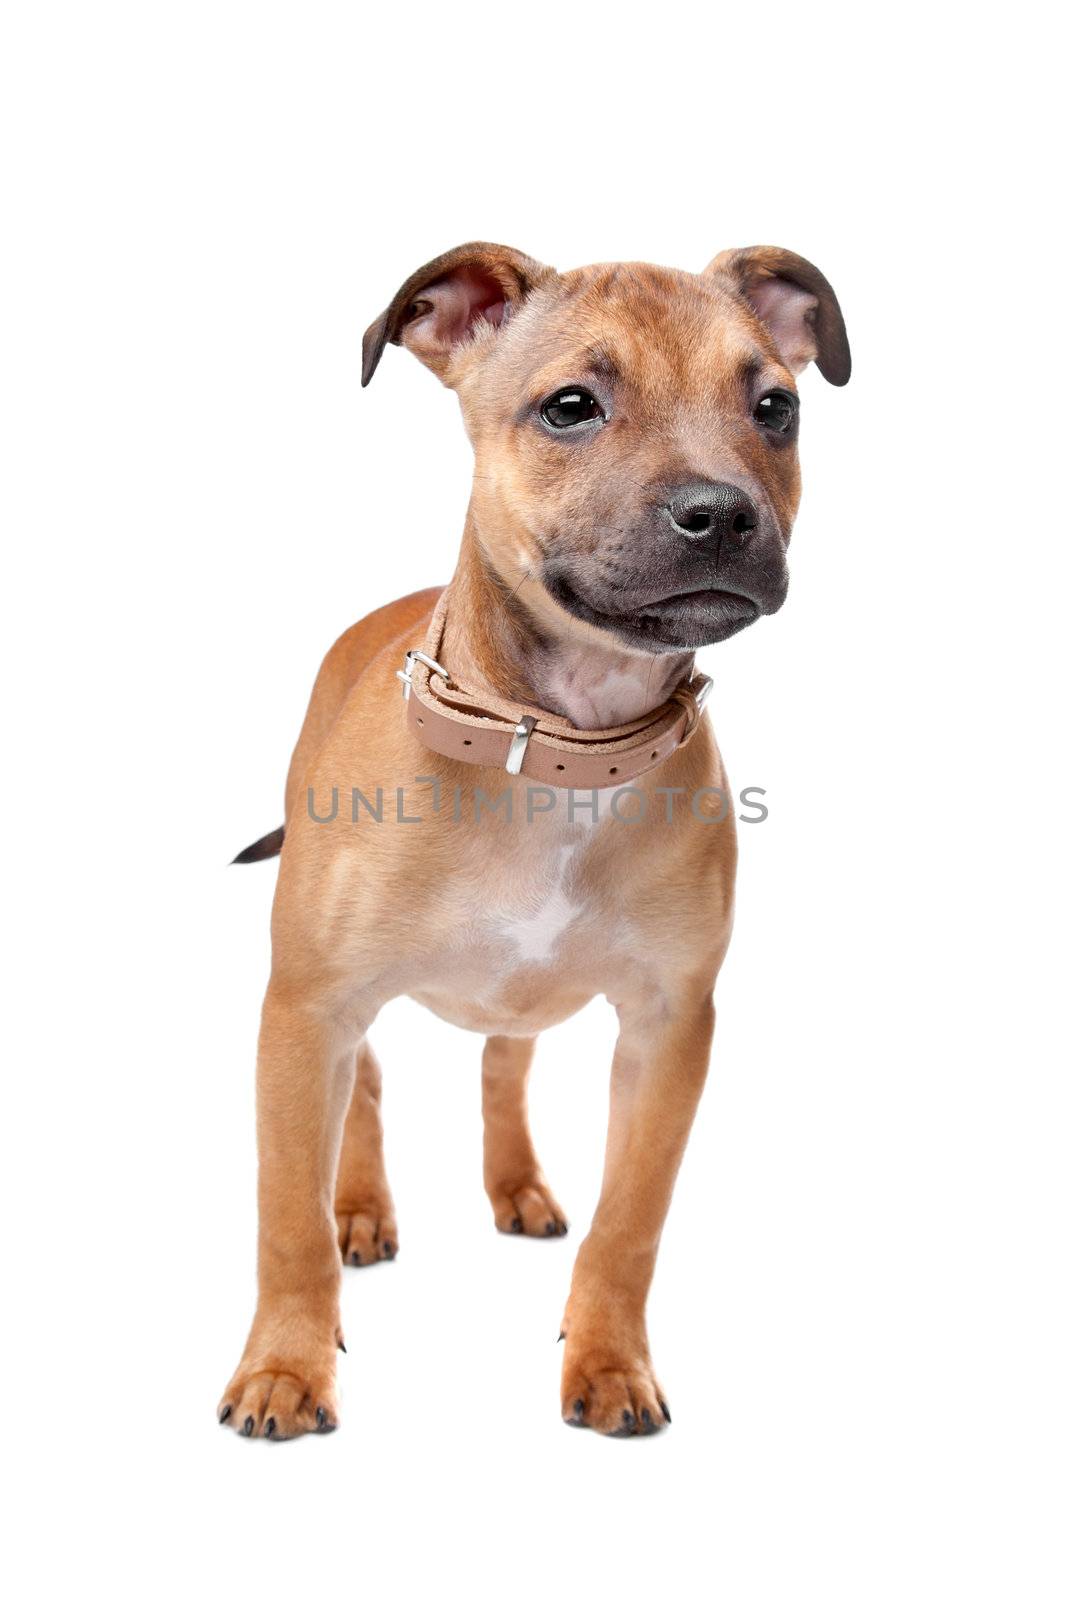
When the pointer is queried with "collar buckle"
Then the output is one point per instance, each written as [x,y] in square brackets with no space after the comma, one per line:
[404,673]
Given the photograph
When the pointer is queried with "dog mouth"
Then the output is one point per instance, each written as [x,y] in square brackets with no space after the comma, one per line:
[682,621]
[697,602]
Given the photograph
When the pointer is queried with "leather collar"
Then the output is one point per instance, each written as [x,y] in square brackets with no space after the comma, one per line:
[488,731]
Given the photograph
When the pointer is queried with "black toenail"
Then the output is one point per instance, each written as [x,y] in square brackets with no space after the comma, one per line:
[250,1423]
[342,1346]
[628,1419]
[271,1425]
[562,1336]
[516,1224]
[388,1246]
[663,1408]
[550,1228]
[646,1417]
[579,1408]
[224,1413]
[320,1417]
[563,1228]
[354,1258]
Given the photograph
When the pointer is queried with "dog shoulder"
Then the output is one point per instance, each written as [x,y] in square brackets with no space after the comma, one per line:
[345,663]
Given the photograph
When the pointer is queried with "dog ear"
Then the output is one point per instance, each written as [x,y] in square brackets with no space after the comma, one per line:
[794,302]
[440,306]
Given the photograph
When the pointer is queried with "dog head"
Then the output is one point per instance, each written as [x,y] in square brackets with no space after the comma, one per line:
[635,428]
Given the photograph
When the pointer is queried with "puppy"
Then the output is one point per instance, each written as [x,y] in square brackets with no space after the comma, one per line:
[537,812]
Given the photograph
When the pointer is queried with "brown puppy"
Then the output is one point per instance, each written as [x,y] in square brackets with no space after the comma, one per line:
[635,434]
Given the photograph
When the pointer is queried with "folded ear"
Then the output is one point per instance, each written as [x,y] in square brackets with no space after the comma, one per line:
[794,302]
[440,306]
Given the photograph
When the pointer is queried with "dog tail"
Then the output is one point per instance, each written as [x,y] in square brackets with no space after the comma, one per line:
[262,850]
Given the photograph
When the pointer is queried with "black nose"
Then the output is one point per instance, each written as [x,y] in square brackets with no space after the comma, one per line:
[708,513]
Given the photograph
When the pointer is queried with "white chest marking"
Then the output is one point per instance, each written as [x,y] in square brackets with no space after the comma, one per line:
[534,935]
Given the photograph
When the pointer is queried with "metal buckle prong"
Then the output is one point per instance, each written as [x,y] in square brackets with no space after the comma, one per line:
[519,741]
[404,673]
[702,693]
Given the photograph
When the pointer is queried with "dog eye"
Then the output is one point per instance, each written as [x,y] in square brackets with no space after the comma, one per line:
[777,411]
[567,407]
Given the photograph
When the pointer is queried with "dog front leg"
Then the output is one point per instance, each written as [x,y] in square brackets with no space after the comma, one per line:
[656,1081]
[286,1381]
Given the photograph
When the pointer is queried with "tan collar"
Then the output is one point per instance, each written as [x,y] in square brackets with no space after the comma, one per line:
[489,731]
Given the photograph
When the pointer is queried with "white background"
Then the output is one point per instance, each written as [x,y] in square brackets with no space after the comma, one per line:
[859,1309]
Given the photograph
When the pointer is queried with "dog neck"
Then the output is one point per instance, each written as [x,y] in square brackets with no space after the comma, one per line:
[515,641]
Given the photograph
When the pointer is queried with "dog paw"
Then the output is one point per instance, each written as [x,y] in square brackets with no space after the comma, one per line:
[612,1396]
[282,1393]
[528,1207]
[366,1230]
